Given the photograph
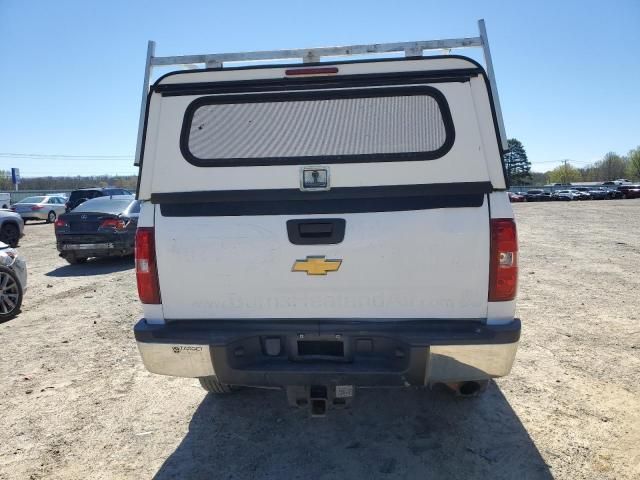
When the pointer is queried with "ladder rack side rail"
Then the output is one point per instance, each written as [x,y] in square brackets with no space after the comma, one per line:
[151,49]
[303,53]
[492,82]
[316,53]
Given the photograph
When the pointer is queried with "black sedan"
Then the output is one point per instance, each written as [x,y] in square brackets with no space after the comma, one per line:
[598,193]
[537,196]
[101,227]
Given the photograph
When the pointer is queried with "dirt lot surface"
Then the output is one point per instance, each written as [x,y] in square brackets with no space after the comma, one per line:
[76,402]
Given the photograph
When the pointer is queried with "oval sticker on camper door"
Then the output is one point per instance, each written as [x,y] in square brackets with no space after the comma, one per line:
[314,178]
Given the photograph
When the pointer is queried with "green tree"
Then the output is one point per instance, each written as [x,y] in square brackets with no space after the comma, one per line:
[633,164]
[517,164]
[565,173]
[538,178]
[5,180]
[611,167]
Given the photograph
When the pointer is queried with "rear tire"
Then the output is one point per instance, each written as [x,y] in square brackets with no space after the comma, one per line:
[212,384]
[51,217]
[10,294]
[10,234]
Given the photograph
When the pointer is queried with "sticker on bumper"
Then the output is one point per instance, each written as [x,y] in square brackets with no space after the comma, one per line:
[86,246]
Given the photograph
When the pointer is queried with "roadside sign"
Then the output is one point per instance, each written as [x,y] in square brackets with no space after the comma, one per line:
[15,176]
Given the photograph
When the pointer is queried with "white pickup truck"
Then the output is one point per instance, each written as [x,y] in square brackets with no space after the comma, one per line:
[324,226]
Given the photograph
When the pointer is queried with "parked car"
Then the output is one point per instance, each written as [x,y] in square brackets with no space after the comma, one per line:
[5,200]
[63,195]
[581,195]
[254,233]
[83,194]
[566,195]
[629,191]
[615,183]
[514,197]
[611,189]
[13,282]
[598,193]
[613,192]
[100,227]
[11,227]
[46,207]
[536,195]
[582,192]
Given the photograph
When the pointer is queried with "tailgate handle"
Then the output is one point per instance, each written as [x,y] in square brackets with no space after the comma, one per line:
[315,229]
[319,231]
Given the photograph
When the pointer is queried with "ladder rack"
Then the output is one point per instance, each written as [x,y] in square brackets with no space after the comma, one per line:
[314,55]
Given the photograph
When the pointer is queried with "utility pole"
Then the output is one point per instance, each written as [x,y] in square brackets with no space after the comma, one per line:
[565,173]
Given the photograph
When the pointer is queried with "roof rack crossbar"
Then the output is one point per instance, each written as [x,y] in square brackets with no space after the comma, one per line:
[317,53]
[314,55]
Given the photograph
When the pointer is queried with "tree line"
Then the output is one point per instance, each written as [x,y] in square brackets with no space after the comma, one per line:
[68,183]
[611,167]
[517,165]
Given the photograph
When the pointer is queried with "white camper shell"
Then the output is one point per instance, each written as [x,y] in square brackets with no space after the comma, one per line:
[326,225]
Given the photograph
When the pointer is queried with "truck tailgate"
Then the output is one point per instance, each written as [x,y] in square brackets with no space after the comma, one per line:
[411,264]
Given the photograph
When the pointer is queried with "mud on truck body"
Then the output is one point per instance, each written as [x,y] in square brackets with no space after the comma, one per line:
[328,225]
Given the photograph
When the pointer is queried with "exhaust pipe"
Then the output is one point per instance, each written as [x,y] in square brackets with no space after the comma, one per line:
[468,389]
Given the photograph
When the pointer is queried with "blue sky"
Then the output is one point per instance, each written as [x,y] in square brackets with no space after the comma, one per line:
[568,71]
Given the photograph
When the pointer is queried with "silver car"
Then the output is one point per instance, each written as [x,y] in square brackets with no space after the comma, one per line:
[13,282]
[47,207]
[11,227]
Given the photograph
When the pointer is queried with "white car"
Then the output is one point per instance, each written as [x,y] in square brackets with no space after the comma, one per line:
[5,200]
[46,207]
[319,228]
[13,282]
[566,195]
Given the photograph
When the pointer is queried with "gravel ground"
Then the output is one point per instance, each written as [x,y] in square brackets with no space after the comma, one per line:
[77,403]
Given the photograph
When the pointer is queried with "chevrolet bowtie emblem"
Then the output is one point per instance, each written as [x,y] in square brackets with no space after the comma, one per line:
[316,265]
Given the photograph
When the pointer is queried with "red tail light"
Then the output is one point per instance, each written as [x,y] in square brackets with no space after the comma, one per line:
[503,267]
[37,207]
[114,223]
[60,223]
[146,269]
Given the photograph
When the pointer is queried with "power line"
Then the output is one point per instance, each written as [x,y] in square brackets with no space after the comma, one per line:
[36,156]
[585,162]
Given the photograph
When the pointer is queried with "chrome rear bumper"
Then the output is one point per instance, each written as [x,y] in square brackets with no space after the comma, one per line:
[457,363]
[407,353]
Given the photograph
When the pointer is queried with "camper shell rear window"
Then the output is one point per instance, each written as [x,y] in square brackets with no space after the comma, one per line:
[324,126]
